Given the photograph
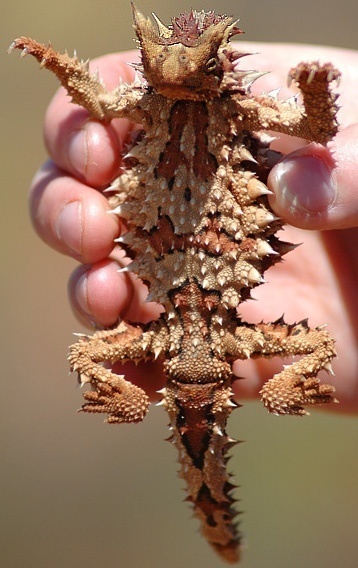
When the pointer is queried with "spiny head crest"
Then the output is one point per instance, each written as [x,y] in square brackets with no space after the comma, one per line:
[191,58]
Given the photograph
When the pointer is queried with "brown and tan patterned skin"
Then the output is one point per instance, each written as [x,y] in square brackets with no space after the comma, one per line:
[201,234]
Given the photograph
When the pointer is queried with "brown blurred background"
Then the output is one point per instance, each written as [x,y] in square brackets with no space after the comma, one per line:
[75,492]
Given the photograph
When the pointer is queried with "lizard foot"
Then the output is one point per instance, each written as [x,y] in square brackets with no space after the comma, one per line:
[129,404]
[283,395]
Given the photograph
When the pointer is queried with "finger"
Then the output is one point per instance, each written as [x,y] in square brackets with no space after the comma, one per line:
[316,187]
[88,149]
[102,295]
[71,217]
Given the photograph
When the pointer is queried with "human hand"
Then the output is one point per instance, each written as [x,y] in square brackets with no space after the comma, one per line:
[70,213]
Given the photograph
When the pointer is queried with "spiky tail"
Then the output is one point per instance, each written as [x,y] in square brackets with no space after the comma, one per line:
[198,416]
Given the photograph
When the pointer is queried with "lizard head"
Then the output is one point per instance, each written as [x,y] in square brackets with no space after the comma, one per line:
[191,58]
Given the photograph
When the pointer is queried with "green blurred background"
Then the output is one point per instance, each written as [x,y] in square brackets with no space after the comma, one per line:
[75,492]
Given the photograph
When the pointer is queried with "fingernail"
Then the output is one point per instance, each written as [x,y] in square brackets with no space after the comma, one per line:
[78,150]
[69,227]
[81,294]
[304,184]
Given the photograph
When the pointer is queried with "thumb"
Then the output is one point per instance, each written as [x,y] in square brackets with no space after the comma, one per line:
[317,187]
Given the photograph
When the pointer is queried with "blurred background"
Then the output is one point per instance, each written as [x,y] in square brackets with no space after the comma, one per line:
[75,492]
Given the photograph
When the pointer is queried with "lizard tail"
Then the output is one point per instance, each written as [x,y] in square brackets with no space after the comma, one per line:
[198,432]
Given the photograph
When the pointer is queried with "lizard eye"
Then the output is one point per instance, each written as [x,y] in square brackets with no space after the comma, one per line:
[162,55]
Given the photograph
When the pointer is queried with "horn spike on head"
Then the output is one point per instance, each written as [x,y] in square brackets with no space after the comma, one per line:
[163,30]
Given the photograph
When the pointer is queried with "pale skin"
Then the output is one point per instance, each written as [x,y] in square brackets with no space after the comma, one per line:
[318,279]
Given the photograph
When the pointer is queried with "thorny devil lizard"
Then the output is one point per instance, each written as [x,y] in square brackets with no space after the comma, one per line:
[201,234]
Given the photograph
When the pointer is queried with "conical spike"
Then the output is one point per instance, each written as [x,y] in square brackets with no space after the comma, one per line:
[163,30]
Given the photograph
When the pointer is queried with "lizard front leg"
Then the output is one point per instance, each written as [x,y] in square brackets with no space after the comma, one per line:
[315,121]
[297,385]
[85,88]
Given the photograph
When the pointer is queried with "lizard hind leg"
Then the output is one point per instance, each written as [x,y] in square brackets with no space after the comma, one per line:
[111,394]
[297,386]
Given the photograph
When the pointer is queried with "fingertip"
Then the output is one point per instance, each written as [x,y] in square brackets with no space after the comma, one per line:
[101,294]
[86,148]
[97,293]
[304,187]
[316,187]
[93,153]
[71,217]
